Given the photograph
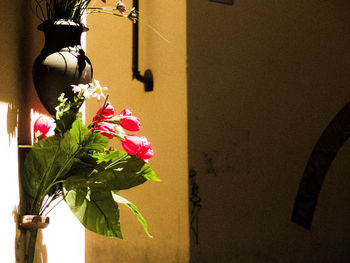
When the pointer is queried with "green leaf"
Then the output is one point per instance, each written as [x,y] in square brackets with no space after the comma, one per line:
[123,171]
[110,157]
[133,208]
[78,132]
[95,142]
[93,204]
[51,159]
[120,160]
[89,141]
[83,167]
[43,163]
[67,113]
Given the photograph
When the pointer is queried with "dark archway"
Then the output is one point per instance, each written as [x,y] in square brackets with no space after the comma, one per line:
[322,156]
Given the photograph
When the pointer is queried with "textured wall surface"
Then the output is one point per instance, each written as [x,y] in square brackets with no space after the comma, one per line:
[163,115]
[12,69]
[265,78]
[9,195]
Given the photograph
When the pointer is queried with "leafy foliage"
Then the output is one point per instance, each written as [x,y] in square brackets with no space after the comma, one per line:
[75,165]
[133,208]
[51,10]
[93,205]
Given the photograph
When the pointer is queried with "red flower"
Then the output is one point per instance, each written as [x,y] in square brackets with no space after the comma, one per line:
[129,122]
[107,113]
[139,146]
[106,128]
[125,112]
[42,126]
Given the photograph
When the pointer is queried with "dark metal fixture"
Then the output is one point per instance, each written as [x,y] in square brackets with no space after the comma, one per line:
[147,78]
[227,2]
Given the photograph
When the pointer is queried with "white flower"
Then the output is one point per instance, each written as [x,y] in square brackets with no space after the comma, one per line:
[120,131]
[82,89]
[97,90]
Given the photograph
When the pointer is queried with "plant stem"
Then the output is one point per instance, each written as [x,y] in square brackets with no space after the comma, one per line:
[31,245]
[115,162]
[104,106]
[54,206]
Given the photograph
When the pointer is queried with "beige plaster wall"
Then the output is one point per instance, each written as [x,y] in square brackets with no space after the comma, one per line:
[163,113]
[15,45]
[264,80]
[9,93]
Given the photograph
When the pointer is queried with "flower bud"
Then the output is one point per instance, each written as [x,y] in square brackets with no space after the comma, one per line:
[129,122]
[107,113]
[42,126]
[106,128]
[139,146]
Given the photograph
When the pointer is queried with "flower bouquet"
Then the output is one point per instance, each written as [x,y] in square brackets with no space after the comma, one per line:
[77,166]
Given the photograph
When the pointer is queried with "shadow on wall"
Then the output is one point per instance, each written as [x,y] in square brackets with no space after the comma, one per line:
[24,48]
[27,50]
[322,156]
[20,97]
[20,43]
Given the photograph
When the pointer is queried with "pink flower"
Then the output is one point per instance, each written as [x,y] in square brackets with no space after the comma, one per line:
[139,146]
[42,126]
[106,128]
[107,113]
[125,112]
[129,122]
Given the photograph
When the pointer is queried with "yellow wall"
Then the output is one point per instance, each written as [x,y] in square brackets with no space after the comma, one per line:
[163,113]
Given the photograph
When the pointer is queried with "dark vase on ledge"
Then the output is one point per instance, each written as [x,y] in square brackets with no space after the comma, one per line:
[61,63]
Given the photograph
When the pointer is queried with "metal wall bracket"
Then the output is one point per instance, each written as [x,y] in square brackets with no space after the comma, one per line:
[147,78]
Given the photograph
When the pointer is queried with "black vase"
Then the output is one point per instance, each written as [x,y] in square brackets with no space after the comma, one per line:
[61,63]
